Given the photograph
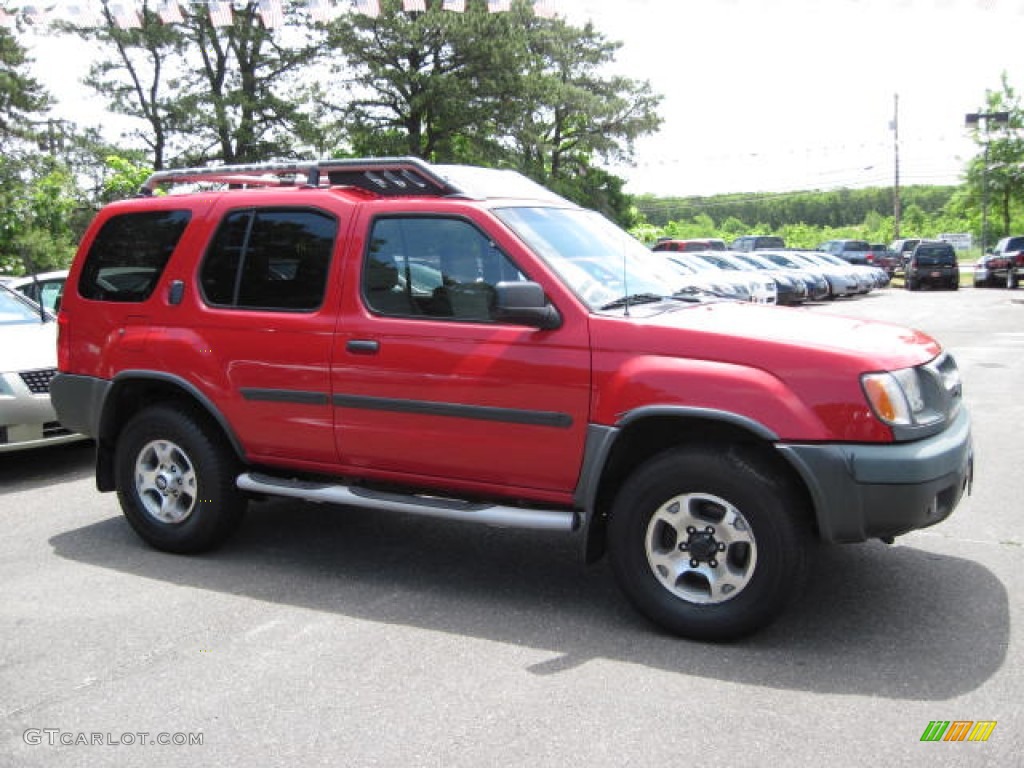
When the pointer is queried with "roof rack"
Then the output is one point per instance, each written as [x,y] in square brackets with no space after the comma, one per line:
[389,176]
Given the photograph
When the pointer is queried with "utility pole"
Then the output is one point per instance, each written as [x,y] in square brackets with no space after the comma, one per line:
[895,125]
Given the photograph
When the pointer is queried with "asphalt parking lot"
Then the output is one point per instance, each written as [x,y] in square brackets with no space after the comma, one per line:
[324,636]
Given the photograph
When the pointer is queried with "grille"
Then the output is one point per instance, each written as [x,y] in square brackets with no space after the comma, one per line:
[38,382]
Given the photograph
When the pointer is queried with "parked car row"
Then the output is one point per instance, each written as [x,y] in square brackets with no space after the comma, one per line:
[798,276]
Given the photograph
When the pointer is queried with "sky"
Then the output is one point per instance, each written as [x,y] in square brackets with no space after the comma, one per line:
[767,95]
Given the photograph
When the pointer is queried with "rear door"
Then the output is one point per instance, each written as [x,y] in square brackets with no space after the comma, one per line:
[265,323]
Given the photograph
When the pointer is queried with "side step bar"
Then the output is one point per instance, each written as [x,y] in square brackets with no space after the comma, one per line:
[430,506]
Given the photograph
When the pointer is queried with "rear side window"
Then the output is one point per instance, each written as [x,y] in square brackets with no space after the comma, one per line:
[129,254]
[274,259]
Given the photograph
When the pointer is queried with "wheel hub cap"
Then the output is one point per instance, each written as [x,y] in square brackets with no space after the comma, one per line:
[701,548]
[165,481]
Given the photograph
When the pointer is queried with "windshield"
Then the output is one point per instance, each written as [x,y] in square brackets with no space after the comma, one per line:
[14,311]
[755,262]
[597,260]
[782,260]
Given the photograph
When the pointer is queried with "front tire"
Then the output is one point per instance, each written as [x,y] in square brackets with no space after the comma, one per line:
[709,543]
[176,481]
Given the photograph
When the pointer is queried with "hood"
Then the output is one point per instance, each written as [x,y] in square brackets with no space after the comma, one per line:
[747,333]
[28,346]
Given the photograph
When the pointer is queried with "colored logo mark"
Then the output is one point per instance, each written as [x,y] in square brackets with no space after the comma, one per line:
[958,730]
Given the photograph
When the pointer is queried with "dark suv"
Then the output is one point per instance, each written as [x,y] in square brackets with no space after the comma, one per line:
[932,264]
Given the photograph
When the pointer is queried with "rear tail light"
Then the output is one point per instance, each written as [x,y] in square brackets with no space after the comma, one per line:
[63,342]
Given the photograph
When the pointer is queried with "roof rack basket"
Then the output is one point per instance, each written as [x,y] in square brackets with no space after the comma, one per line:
[388,176]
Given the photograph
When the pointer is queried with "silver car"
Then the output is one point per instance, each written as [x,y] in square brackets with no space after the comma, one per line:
[28,360]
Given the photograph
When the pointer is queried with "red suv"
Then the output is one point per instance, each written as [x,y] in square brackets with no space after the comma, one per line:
[1003,265]
[463,344]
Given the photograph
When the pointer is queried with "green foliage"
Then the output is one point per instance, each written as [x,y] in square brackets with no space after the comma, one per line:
[125,179]
[506,89]
[35,220]
[204,92]
[995,177]
[807,219]
[21,95]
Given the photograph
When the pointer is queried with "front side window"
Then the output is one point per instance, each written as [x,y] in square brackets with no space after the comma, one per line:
[129,254]
[274,259]
[433,267]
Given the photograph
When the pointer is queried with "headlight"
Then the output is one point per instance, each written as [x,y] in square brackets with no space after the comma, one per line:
[896,396]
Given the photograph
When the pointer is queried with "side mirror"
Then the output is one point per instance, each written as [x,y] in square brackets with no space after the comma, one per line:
[524,303]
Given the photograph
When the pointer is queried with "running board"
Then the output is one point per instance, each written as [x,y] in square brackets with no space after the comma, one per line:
[430,506]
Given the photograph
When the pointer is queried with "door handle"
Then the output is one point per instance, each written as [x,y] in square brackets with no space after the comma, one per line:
[363,346]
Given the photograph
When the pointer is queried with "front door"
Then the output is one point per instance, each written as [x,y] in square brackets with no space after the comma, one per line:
[429,389]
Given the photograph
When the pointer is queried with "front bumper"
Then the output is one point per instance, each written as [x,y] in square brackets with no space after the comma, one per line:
[27,420]
[863,492]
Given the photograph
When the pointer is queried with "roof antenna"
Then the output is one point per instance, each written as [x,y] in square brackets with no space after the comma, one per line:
[625,280]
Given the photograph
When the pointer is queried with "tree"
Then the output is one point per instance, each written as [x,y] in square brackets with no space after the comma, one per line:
[33,186]
[574,113]
[506,89]
[204,92]
[438,85]
[22,98]
[996,176]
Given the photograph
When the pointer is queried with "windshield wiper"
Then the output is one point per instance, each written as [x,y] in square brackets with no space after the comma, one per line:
[633,298]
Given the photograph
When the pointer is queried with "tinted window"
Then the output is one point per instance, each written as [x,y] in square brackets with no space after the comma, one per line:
[934,255]
[129,254]
[434,267]
[269,259]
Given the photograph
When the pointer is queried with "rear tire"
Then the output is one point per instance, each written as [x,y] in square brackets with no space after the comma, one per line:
[709,543]
[176,480]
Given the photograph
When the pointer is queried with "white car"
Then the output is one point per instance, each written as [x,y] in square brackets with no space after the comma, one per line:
[44,288]
[28,360]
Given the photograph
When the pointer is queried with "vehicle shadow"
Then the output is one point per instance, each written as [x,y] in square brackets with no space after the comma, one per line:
[38,467]
[900,623]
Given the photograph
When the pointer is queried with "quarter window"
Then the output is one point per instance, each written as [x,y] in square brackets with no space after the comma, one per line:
[274,259]
[129,254]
